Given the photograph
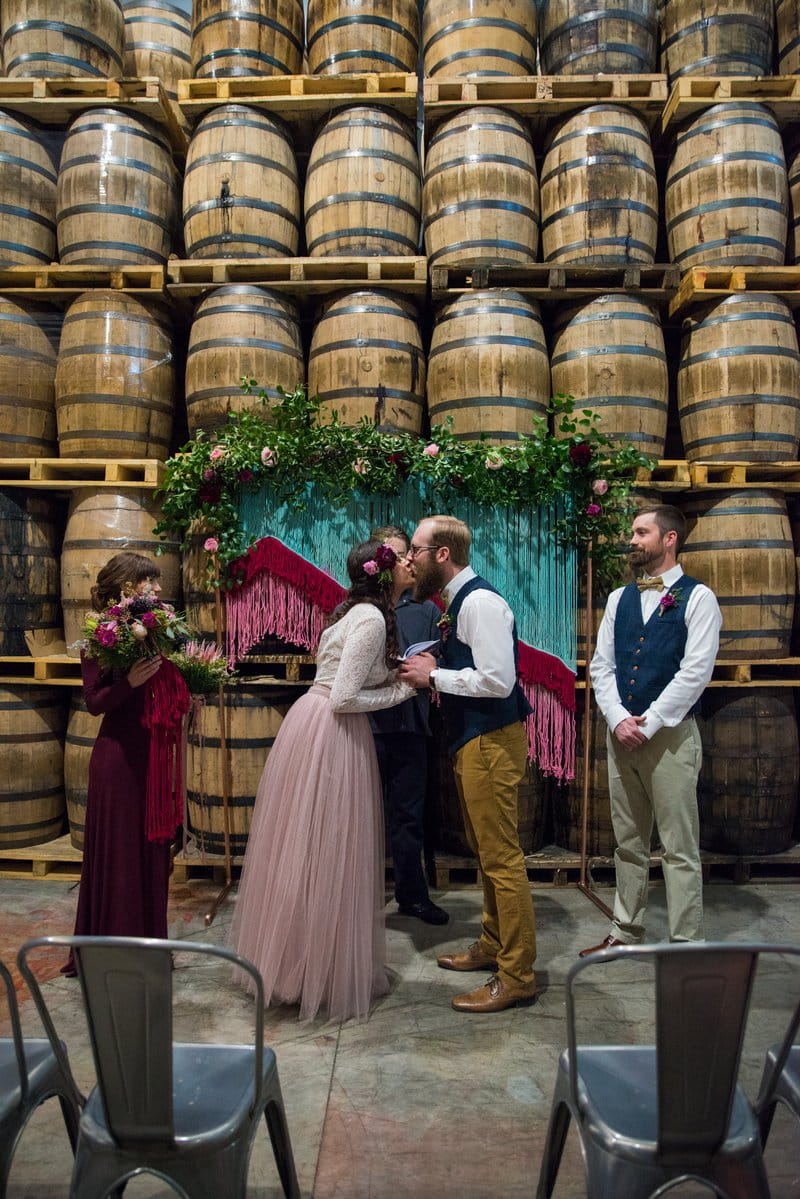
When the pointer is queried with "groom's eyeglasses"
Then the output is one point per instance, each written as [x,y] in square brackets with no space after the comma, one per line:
[413,550]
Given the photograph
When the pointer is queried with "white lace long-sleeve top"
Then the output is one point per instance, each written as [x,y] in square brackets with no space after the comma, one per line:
[351,661]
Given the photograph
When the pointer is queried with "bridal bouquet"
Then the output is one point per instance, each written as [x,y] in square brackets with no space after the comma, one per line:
[133,627]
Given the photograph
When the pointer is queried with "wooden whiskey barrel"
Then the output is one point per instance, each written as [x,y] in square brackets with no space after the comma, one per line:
[739,381]
[488,367]
[599,190]
[29,544]
[726,198]
[351,36]
[793,174]
[240,332]
[117,191]
[479,37]
[241,196]
[609,355]
[102,523]
[31,765]
[253,717]
[367,360]
[787,37]
[82,729]
[27,378]
[480,199]
[57,38]
[747,790]
[28,179]
[362,194]
[158,41]
[740,544]
[115,378]
[580,37]
[721,37]
[252,37]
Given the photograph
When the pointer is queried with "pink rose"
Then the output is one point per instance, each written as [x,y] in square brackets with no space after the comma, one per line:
[211,545]
[217,453]
[593,509]
[599,487]
[493,460]
[431,449]
[268,456]
[208,474]
[371,567]
[361,466]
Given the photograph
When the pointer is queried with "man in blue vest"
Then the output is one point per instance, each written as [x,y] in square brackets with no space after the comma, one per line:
[484,710]
[655,654]
[401,740]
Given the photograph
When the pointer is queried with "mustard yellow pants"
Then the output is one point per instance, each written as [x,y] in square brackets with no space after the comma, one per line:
[488,771]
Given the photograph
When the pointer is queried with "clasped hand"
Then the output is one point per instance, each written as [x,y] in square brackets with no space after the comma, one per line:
[628,733]
[417,670]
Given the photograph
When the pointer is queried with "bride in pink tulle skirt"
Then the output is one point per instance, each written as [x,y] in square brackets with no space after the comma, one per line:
[310,907]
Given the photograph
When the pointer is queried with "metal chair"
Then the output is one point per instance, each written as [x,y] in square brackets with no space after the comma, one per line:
[780,1081]
[30,1073]
[187,1113]
[650,1116]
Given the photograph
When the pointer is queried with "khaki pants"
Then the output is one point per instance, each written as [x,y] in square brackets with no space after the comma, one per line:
[657,781]
[488,771]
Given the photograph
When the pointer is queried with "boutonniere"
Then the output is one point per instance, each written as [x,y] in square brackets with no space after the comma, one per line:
[444,624]
[671,600]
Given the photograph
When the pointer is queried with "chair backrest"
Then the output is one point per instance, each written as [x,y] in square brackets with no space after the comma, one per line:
[127,993]
[702,1000]
[16,1031]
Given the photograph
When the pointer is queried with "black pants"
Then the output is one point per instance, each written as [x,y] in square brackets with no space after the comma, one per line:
[403,762]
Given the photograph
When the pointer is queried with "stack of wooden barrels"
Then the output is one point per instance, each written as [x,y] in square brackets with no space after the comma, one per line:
[106,379]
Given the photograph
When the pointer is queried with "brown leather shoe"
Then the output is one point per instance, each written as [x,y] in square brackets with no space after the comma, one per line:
[475,958]
[494,996]
[609,943]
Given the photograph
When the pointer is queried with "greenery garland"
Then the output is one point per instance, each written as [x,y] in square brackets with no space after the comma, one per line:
[284,447]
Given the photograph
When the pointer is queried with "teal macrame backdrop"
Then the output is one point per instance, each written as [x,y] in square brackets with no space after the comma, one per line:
[513,549]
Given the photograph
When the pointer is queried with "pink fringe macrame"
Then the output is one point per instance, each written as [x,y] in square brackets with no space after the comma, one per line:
[288,597]
[167,702]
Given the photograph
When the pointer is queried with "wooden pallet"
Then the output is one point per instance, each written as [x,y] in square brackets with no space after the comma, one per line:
[690,96]
[304,278]
[666,475]
[705,284]
[54,670]
[56,282]
[541,281]
[294,670]
[48,474]
[543,97]
[717,476]
[57,101]
[57,861]
[739,672]
[302,100]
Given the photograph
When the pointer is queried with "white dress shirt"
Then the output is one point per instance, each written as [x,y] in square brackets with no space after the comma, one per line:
[485,624]
[703,622]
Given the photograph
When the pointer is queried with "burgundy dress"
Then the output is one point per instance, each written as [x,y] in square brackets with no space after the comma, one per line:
[124,877]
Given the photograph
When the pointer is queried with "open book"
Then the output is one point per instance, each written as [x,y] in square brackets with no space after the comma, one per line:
[419,647]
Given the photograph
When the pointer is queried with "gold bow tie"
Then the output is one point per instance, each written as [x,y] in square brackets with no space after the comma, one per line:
[654,584]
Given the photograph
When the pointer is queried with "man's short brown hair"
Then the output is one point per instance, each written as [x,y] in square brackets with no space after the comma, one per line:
[385,533]
[451,532]
[669,520]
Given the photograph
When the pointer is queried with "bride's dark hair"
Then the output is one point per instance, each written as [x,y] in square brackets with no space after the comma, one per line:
[368,589]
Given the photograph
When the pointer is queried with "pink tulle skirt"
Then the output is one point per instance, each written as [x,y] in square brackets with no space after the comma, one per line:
[311,898]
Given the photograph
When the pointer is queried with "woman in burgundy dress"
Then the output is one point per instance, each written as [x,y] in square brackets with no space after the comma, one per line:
[124,876]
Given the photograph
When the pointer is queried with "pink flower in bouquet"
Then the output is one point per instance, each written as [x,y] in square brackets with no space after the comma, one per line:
[593,509]
[149,620]
[493,460]
[431,450]
[218,453]
[269,456]
[371,567]
[208,474]
[245,475]
[361,466]
[106,633]
[211,545]
[115,611]
[600,487]
[138,630]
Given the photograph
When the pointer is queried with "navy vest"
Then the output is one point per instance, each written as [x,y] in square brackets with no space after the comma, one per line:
[465,717]
[648,655]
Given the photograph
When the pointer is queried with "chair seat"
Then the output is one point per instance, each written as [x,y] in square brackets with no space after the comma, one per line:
[620,1105]
[213,1090]
[41,1065]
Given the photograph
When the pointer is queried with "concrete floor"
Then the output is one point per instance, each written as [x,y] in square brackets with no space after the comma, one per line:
[419,1100]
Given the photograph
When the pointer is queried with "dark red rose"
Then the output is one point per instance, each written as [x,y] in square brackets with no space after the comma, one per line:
[385,557]
[457,480]
[245,475]
[210,493]
[580,453]
[399,461]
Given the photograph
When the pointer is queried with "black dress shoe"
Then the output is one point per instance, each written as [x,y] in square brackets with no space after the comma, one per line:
[427,910]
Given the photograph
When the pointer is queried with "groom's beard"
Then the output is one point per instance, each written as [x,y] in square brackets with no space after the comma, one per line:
[428,579]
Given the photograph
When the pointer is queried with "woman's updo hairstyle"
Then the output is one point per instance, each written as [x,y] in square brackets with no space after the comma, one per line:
[123,568]
[369,568]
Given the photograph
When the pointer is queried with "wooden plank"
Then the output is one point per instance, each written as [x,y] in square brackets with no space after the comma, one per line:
[692,94]
[61,473]
[706,284]
[300,99]
[556,283]
[304,278]
[59,282]
[711,476]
